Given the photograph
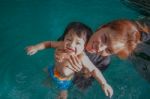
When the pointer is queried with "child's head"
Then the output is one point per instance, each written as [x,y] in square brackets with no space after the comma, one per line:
[75,37]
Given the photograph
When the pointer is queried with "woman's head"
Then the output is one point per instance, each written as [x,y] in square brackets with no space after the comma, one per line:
[117,37]
[75,37]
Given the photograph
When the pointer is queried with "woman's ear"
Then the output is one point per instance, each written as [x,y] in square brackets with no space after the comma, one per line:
[133,34]
[123,54]
[132,41]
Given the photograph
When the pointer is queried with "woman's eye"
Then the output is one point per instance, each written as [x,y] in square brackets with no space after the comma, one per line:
[109,51]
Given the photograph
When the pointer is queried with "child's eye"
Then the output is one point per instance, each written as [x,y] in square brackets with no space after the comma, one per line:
[78,43]
[68,39]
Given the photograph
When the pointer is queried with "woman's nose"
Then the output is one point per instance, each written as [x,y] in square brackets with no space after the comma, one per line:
[104,54]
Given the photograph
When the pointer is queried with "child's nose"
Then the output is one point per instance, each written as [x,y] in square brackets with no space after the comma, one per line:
[72,44]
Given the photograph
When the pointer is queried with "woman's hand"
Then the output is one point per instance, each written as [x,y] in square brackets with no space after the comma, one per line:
[107,89]
[75,63]
[31,50]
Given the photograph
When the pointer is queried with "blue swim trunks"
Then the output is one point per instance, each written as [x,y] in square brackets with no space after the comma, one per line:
[60,84]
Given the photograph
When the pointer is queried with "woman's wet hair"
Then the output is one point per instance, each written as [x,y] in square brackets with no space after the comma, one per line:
[80,29]
[123,32]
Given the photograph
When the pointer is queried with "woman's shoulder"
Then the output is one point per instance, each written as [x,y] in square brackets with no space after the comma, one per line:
[99,61]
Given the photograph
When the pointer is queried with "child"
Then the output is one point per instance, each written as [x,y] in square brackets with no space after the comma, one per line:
[69,51]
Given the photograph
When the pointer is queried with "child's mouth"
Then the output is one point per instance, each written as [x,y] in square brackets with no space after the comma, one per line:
[70,50]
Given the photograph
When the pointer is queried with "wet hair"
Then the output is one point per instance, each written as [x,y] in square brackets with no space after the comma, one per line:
[126,32]
[80,29]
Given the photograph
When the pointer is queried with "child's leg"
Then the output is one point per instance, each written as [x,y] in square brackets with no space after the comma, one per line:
[47,82]
[46,70]
[63,94]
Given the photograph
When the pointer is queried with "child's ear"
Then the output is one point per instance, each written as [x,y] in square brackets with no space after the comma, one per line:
[123,54]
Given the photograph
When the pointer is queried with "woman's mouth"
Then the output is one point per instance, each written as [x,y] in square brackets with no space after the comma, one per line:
[90,49]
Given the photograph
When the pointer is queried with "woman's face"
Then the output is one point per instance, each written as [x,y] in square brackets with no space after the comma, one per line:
[119,37]
[102,42]
[96,43]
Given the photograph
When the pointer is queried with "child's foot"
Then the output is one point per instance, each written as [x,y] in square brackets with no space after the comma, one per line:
[63,94]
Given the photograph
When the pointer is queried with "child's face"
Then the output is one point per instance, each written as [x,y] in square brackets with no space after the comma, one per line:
[73,44]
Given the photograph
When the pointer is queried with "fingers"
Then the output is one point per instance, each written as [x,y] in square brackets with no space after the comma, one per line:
[106,93]
[58,58]
[75,63]
[73,69]
[109,94]
[108,90]
[31,50]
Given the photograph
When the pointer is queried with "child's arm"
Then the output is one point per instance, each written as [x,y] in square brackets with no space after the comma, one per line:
[48,44]
[97,75]
[105,86]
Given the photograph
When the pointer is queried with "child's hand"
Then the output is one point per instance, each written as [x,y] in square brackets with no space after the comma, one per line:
[107,89]
[60,57]
[31,50]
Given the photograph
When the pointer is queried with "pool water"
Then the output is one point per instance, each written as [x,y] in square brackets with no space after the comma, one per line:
[27,22]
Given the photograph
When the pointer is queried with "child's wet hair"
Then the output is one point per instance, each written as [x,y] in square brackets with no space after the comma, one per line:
[80,29]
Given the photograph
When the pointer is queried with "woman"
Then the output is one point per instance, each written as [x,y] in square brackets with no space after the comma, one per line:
[126,39]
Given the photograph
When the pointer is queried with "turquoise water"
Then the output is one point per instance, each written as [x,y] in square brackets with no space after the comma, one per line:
[27,22]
